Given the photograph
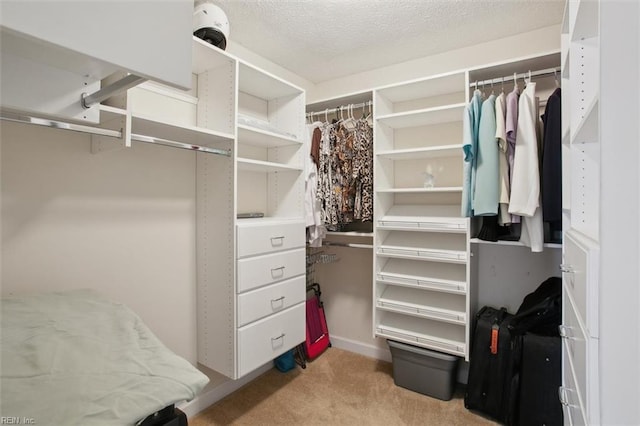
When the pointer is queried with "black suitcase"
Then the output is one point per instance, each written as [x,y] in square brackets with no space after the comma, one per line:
[540,378]
[491,364]
[494,383]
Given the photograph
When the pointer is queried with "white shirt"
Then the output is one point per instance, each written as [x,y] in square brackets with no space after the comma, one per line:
[525,184]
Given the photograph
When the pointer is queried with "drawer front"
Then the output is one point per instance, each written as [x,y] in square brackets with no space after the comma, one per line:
[254,272]
[580,277]
[258,238]
[575,344]
[265,301]
[262,341]
[581,352]
[568,394]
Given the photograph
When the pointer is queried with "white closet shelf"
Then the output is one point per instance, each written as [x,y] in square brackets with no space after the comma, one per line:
[263,138]
[427,152]
[420,190]
[422,223]
[432,341]
[587,129]
[186,134]
[424,117]
[412,281]
[261,84]
[208,57]
[584,21]
[433,86]
[429,312]
[512,243]
[250,165]
[434,255]
[437,306]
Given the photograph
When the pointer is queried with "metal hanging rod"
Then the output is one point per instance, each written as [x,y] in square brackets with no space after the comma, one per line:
[181,145]
[340,108]
[515,76]
[118,86]
[19,118]
[353,245]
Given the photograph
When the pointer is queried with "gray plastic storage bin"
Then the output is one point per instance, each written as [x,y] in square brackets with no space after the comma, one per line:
[422,370]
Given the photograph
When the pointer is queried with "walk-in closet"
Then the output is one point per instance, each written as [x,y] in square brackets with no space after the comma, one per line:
[267,212]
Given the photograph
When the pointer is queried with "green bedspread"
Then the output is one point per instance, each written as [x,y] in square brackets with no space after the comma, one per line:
[76,358]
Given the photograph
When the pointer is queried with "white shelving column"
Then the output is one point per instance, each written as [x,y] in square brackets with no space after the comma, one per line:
[421,244]
[600,271]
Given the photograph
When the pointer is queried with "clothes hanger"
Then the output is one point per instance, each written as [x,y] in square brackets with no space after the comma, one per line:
[502,85]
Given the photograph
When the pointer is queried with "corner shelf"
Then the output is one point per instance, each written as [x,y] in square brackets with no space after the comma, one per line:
[424,117]
[425,152]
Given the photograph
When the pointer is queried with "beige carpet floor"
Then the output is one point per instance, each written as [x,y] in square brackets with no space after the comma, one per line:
[338,388]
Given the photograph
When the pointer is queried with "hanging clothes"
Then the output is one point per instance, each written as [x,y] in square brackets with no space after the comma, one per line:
[511,127]
[486,188]
[504,218]
[471,125]
[525,184]
[363,171]
[552,164]
[313,215]
[345,173]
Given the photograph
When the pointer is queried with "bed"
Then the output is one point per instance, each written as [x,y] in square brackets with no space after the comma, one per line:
[77,358]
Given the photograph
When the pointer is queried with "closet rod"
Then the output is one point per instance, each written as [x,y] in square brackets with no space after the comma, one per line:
[538,73]
[18,118]
[354,245]
[340,108]
[181,145]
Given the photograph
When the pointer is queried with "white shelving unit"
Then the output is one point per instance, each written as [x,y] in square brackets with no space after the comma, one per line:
[250,272]
[421,244]
[581,47]
[251,286]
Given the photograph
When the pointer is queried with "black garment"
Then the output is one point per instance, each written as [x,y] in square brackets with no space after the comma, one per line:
[552,161]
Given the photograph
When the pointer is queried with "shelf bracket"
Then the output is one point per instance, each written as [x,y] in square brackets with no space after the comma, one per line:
[118,86]
[100,143]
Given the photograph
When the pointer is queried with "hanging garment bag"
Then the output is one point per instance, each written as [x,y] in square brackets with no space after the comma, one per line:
[317,339]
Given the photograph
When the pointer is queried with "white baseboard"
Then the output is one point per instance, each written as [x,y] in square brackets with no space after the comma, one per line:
[361,348]
[210,397]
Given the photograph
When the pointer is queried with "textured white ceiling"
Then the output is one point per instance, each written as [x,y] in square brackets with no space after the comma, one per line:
[324,39]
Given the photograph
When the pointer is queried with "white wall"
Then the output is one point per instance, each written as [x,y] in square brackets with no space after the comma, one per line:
[121,222]
[525,44]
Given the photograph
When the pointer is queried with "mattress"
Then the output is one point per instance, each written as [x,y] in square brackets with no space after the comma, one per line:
[77,358]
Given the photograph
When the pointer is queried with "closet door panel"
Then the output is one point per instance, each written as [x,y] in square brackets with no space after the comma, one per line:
[258,271]
[265,301]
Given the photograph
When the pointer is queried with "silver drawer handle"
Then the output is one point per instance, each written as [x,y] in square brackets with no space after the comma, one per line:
[564,331]
[273,339]
[562,396]
[277,241]
[279,269]
[567,269]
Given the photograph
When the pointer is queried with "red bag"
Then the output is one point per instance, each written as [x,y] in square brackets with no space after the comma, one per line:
[317,333]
